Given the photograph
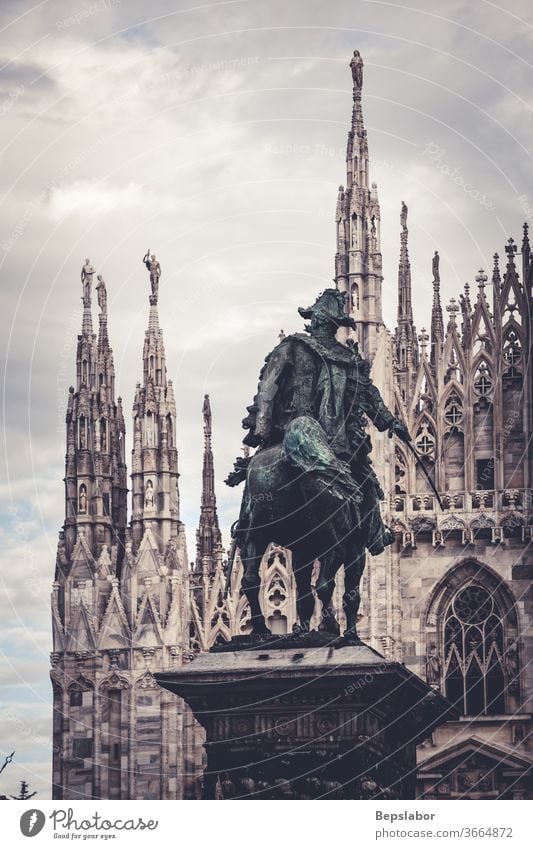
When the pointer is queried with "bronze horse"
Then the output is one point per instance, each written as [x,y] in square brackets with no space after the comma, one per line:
[275,509]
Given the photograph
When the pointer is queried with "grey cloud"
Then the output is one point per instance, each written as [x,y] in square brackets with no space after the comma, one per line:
[232,122]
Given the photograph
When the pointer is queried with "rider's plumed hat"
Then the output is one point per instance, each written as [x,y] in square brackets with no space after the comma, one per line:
[330,304]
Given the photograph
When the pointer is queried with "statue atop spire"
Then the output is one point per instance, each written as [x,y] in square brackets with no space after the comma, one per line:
[87,273]
[206,410]
[435,267]
[101,292]
[356,64]
[152,264]
[403,217]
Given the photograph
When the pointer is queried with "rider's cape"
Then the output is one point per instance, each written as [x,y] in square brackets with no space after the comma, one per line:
[333,385]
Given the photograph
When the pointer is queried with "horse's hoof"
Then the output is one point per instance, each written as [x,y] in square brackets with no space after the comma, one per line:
[259,629]
[332,628]
[351,638]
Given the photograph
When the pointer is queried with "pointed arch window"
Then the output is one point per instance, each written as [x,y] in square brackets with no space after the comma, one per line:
[474,664]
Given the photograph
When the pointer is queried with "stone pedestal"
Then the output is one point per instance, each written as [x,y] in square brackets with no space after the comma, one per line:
[296,723]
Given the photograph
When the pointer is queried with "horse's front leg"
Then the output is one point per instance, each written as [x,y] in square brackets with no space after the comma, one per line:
[251,556]
[353,571]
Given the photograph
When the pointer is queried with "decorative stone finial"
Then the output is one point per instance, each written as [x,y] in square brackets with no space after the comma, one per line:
[481,279]
[510,250]
[452,309]
[423,338]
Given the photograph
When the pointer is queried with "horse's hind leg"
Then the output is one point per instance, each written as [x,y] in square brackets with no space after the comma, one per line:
[353,571]
[302,566]
[324,590]
[251,556]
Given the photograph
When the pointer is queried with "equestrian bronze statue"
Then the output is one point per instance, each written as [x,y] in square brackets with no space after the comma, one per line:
[310,486]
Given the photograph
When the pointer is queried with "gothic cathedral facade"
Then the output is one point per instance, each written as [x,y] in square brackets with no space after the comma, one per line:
[451,598]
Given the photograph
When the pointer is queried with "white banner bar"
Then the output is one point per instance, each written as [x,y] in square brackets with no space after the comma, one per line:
[234,825]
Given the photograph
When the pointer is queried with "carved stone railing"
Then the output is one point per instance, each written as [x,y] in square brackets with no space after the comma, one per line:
[502,515]
[502,501]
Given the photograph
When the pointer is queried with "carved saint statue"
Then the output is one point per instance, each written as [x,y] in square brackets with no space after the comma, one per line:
[103,436]
[206,410]
[356,64]
[149,431]
[87,272]
[82,500]
[102,294]
[433,666]
[153,266]
[403,216]
[435,267]
[149,494]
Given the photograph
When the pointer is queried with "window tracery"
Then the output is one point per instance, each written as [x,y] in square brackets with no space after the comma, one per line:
[453,412]
[483,383]
[425,441]
[474,669]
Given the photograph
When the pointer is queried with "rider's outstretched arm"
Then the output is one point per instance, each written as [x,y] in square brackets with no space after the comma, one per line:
[378,413]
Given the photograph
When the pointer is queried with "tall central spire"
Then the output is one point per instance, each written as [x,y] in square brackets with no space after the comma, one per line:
[405,337]
[405,306]
[358,262]
[208,536]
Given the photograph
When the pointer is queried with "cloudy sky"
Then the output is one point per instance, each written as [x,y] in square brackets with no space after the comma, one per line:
[214,133]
